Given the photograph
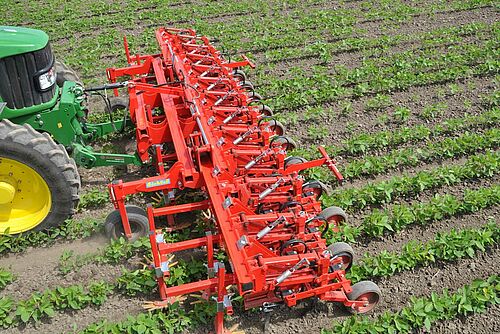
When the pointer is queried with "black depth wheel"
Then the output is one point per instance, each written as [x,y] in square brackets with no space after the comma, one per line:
[345,252]
[334,216]
[289,161]
[137,217]
[292,247]
[287,143]
[365,291]
[313,188]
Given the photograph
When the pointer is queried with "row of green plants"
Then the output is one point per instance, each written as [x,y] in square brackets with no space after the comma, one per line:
[71,229]
[447,148]
[93,198]
[384,65]
[6,277]
[115,252]
[44,304]
[449,246]
[439,207]
[365,142]
[90,49]
[390,220]
[326,85]
[140,282]
[120,250]
[174,319]
[297,25]
[324,50]
[478,166]
[422,312]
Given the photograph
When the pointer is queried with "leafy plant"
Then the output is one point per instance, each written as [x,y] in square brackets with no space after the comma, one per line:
[379,102]
[401,114]
[93,198]
[69,230]
[6,277]
[136,282]
[434,110]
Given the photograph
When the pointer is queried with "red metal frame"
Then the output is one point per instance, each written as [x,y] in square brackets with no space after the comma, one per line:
[200,126]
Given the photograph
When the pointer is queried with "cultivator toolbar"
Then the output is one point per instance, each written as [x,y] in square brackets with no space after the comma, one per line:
[199,120]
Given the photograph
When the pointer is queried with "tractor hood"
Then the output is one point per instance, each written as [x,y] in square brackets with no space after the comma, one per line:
[16,40]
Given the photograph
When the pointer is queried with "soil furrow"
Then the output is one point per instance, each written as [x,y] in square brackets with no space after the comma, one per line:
[37,269]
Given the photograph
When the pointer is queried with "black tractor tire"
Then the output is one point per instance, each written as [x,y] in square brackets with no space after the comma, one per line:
[51,161]
[66,73]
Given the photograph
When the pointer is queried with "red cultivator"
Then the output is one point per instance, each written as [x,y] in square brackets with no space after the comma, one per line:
[199,120]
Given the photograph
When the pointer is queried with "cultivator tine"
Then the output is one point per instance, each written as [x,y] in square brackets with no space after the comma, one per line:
[234,329]
[198,117]
[157,305]
[158,198]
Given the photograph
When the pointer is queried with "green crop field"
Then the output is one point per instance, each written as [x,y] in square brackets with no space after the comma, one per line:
[403,93]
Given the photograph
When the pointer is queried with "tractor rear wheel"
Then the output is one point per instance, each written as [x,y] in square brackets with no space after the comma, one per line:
[66,73]
[39,182]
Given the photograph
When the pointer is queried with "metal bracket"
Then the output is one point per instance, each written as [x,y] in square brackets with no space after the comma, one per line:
[164,266]
[227,202]
[272,188]
[268,307]
[290,271]
[242,242]
[158,272]
[160,238]
[221,142]
[225,303]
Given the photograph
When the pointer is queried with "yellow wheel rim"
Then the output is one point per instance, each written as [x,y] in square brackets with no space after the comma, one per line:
[25,198]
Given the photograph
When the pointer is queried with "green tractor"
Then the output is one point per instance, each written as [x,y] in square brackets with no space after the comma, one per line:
[44,134]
